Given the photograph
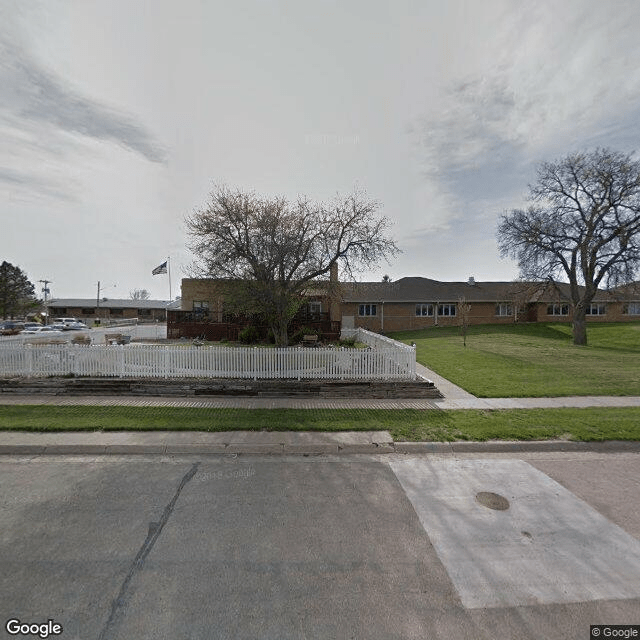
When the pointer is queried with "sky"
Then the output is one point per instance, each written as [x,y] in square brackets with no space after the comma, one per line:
[118,118]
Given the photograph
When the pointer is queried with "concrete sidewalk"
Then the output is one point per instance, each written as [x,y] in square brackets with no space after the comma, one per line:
[270,442]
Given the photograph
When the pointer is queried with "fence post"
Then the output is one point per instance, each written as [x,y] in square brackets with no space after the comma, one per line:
[29,362]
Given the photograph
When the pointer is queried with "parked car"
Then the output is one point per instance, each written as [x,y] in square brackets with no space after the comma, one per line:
[11,328]
[76,326]
[58,326]
[65,321]
[42,331]
[32,325]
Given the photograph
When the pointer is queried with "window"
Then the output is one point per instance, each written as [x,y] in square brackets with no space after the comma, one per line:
[144,312]
[631,308]
[596,309]
[446,309]
[315,308]
[367,310]
[558,310]
[504,309]
[88,311]
[117,312]
[201,307]
[424,309]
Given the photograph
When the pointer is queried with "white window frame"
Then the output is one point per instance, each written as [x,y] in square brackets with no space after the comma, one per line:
[596,309]
[558,309]
[504,309]
[447,310]
[315,307]
[367,310]
[631,309]
[421,307]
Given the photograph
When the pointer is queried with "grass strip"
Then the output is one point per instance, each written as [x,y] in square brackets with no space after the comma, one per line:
[591,424]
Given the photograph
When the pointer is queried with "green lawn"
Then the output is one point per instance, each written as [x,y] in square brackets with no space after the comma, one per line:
[533,360]
[406,424]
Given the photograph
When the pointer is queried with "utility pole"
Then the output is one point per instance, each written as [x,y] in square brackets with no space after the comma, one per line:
[98,304]
[45,290]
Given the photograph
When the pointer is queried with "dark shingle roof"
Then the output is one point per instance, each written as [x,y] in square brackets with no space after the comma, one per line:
[417,289]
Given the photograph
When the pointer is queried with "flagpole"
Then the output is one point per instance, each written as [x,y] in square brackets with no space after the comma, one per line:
[169,272]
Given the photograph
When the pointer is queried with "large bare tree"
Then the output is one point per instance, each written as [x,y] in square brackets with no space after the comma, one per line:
[583,225]
[277,252]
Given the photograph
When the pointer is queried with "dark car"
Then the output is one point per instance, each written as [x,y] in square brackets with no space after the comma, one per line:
[10,328]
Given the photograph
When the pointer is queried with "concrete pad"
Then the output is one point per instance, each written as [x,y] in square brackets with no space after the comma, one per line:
[548,547]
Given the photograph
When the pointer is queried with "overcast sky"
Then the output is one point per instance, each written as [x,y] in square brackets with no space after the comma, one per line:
[118,116]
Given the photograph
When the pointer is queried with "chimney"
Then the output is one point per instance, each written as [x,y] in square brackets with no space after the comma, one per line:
[333,273]
[471,281]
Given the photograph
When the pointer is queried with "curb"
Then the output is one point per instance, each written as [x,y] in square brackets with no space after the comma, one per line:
[438,448]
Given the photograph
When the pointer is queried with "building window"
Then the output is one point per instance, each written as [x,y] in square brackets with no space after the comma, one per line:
[596,310]
[631,309]
[504,309]
[88,311]
[315,308]
[558,310]
[117,312]
[201,307]
[446,309]
[424,309]
[144,312]
[61,311]
[367,310]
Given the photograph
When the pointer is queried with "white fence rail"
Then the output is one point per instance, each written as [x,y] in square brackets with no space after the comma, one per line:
[177,361]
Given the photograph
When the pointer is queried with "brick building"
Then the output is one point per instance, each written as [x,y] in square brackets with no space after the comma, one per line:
[89,309]
[406,304]
[417,303]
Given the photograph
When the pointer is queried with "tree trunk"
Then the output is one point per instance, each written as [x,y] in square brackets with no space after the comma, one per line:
[280,333]
[579,326]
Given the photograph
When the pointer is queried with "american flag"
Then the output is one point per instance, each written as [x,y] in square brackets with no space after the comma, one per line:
[160,269]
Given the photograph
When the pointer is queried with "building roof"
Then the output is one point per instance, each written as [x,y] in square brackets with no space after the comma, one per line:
[112,303]
[417,289]
[627,291]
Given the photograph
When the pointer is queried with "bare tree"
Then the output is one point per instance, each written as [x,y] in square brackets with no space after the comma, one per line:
[583,224]
[277,252]
[139,294]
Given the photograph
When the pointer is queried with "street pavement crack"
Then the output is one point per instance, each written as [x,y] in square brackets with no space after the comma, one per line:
[119,605]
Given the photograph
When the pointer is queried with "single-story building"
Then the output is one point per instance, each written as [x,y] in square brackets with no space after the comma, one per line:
[110,309]
[416,303]
[406,304]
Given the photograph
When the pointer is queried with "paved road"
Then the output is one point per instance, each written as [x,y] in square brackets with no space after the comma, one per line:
[389,547]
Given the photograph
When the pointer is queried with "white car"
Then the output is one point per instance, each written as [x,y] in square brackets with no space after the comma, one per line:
[76,326]
[42,331]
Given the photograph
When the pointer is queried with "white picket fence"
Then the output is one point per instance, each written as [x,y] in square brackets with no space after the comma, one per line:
[178,361]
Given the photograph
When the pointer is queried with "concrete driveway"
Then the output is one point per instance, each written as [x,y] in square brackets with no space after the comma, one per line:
[195,547]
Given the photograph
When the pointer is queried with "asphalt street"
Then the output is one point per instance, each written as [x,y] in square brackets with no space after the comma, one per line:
[361,546]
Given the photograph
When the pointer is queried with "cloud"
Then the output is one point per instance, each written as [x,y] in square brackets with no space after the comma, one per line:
[549,79]
[31,184]
[36,98]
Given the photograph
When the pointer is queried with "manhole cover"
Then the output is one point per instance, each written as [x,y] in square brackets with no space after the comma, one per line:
[492,501]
